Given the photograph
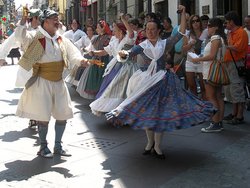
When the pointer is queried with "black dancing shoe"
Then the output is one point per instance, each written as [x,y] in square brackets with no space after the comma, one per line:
[159,156]
[148,152]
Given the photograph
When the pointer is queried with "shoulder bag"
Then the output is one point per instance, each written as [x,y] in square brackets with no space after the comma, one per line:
[242,70]
[218,74]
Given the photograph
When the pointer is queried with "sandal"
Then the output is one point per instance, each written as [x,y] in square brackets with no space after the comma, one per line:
[62,152]
[45,152]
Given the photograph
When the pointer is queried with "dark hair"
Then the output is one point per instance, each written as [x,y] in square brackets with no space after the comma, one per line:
[135,21]
[217,22]
[141,15]
[78,23]
[232,15]
[157,22]
[151,15]
[204,17]
[129,15]
[122,27]
[168,20]
[158,15]
[191,26]
[91,26]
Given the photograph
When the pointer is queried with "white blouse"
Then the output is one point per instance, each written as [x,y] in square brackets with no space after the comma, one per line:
[74,36]
[206,64]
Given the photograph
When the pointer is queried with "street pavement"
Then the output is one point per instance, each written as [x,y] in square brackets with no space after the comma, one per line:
[104,156]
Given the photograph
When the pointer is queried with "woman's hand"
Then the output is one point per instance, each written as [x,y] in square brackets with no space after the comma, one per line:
[91,53]
[122,16]
[84,63]
[123,54]
[181,9]
[195,60]
[192,42]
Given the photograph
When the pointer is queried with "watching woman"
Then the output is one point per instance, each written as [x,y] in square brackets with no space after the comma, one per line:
[214,49]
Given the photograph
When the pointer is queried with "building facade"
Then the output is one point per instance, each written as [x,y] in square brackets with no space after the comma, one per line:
[110,9]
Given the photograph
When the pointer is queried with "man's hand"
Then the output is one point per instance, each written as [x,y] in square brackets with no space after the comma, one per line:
[84,63]
[123,54]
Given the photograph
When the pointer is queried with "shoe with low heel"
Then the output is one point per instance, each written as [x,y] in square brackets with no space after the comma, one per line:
[148,152]
[159,156]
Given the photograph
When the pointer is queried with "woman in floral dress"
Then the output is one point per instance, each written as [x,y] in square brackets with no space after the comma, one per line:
[91,78]
[156,101]
[117,73]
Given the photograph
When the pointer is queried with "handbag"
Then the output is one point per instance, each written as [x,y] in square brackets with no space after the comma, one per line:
[218,74]
[242,70]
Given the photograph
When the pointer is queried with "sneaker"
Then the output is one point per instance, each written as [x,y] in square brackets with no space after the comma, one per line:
[213,127]
[45,152]
[236,121]
[61,152]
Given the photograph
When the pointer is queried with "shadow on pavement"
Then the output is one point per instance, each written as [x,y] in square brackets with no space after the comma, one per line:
[22,170]
[149,171]
[11,102]
[15,90]
[12,136]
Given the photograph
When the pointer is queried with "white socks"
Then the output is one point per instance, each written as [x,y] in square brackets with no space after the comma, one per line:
[157,138]
[150,137]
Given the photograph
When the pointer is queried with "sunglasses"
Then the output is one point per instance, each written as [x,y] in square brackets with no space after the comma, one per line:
[195,21]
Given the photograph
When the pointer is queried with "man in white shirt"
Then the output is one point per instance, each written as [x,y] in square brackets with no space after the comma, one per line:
[45,94]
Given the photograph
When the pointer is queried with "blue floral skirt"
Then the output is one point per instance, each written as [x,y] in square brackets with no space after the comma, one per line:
[166,106]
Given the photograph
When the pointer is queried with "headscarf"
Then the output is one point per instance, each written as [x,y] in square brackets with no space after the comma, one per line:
[104,25]
[122,27]
[47,14]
